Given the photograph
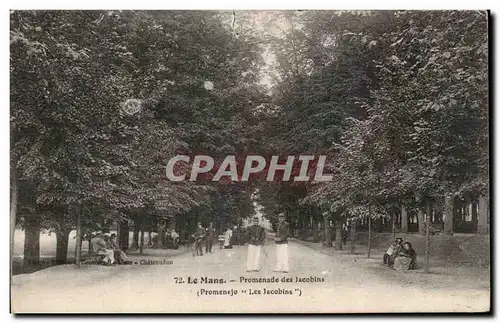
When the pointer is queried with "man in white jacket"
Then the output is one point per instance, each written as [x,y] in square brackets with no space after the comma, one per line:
[281,239]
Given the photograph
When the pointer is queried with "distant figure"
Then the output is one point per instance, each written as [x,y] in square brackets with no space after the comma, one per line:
[227,238]
[167,239]
[235,241]
[198,236]
[221,241]
[175,239]
[120,256]
[392,252]
[102,248]
[345,233]
[255,237]
[406,259]
[210,237]
[282,233]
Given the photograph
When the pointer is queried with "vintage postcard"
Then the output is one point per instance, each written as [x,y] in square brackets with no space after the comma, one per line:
[214,161]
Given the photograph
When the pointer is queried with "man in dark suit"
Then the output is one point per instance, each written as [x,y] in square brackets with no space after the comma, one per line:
[199,235]
[255,236]
[210,237]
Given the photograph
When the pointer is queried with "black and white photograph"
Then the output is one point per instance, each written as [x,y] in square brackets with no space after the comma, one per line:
[250,161]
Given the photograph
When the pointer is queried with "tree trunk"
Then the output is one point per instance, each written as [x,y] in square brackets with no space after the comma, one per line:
[161,235]
[448,215]
[427,234]
[394,225]
[328,231]
[404,219]
[91,248]
[474,206]
[370,233]
[149,239]
[62,237]
[421,222]
[380,224]
[315,229]
[31,244]
[13,213]
[123,235]
[353,236]
[135,237]
[141,246]
[483,215]
[171,224]
[338,235]
[78,252]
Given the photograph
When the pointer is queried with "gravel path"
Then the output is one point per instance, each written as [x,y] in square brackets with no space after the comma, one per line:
[329,283]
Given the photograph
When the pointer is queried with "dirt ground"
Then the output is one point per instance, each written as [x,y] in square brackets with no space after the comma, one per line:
[329,281]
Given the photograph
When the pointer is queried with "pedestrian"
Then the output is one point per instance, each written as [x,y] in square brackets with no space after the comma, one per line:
[210,236]
[227,238]
[175,239]
[345,233]
[198,239]
[235,241]
[255,237]
[281,239]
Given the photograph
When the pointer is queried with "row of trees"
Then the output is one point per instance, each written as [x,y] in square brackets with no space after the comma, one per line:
[399,102]
[79,160]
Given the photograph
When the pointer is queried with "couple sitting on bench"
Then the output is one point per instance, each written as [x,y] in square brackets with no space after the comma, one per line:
[106,246]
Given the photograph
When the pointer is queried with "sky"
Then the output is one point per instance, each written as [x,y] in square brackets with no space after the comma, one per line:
[260,22]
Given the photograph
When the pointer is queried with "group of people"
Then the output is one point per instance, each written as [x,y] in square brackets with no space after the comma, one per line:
[255,237]
[206,236]
[172,239]
[106,245]
[400,256]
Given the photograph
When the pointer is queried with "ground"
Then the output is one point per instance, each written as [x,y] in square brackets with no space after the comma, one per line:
[352,283]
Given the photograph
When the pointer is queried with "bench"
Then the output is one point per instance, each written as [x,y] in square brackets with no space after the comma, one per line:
[93,259]
[435,229]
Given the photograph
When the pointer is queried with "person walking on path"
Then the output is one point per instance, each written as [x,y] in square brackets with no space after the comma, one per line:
[198,239]
[255,237]
[281,239]
[210,237]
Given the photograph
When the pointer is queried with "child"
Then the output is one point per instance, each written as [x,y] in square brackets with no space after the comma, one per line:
[392,252]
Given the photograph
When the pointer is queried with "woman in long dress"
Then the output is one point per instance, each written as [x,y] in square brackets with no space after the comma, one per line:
[406,259]
[120,256]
